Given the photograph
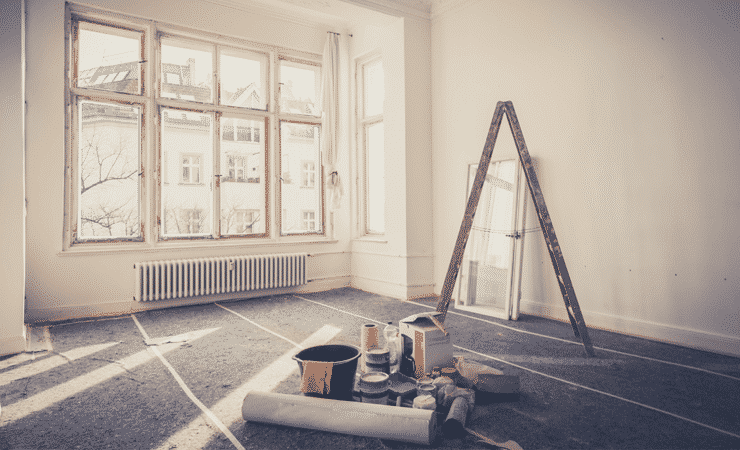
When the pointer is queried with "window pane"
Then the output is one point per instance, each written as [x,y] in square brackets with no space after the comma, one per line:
[299,88]
[242,79]
[187,71]
[187,140]
[108,168]
[108,58]
[375,179]
[299,149]
[374,88]
[243,191]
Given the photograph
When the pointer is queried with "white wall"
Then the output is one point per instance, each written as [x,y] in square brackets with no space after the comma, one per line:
[632,110]
[418,120]
[12,178]
[399,263]
[62,285]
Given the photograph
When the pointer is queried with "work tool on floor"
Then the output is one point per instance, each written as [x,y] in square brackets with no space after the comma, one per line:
[548,230]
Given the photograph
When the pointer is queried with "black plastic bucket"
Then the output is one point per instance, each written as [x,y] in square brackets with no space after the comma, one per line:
[344,366]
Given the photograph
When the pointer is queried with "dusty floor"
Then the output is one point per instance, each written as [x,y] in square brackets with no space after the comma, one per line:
[169,378]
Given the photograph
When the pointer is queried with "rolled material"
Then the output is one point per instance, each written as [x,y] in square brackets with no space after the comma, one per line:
[359,419]
[454,424]
[369,339]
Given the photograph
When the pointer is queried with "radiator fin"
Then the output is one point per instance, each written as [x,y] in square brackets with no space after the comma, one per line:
[162,280]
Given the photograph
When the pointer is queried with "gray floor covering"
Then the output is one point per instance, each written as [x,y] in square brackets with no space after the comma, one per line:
[102,386]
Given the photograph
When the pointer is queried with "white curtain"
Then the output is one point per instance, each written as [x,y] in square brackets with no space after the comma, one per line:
[329,128]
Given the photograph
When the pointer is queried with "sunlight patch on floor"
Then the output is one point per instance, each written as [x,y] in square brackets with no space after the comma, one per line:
[58,393]
[200,431]
[52,362]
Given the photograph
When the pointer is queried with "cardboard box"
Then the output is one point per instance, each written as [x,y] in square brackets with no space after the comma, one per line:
[428,344]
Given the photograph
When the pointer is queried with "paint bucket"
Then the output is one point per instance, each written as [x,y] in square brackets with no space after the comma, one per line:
[328,371]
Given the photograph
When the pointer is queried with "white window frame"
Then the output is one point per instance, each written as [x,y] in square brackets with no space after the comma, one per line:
[152,179]
[299,119]
[75,94]
[363,122]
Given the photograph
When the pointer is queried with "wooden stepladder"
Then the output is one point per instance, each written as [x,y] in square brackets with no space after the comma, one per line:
[556,255]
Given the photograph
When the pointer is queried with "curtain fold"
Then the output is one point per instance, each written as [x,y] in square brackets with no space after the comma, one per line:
[329,119]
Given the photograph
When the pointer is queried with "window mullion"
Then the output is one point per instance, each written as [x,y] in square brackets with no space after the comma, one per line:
[273,148]
[216,202]
[217,176]
[149,152]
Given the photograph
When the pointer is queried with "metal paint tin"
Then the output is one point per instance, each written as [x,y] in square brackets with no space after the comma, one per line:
[378,360]
[374,388]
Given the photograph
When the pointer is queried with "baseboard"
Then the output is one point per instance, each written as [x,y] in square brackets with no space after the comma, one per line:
[12,345]
[419,291]
[325,284]
[98,310]
[393,290]
[378,287]
[685,337]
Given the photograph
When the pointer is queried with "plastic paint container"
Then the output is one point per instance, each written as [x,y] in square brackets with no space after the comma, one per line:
[374,388]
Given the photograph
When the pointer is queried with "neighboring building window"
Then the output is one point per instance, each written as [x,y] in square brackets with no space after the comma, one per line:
[191,169]
[207,150]
[371,92]
[244,134]
[191,221]
[309,220]
[236,168]
[308,173]
[245,220]
[228,133]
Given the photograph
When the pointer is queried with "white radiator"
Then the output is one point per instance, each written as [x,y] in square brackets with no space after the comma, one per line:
[161,280]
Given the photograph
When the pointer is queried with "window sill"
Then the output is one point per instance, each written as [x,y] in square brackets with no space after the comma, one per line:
[377,239]
[165,246]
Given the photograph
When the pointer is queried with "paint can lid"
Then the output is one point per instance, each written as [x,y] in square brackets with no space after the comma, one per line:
[374,380]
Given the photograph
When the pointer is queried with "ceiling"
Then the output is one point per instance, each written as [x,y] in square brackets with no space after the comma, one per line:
[345,13]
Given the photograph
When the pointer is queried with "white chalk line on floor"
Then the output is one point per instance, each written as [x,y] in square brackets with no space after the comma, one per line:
[259,326]
[229,408]
[579,343]
[546,375]
[187,390]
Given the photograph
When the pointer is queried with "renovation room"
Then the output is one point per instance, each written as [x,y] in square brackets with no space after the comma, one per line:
[196,191]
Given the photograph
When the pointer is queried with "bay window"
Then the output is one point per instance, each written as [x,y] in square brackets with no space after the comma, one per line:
[171,135]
